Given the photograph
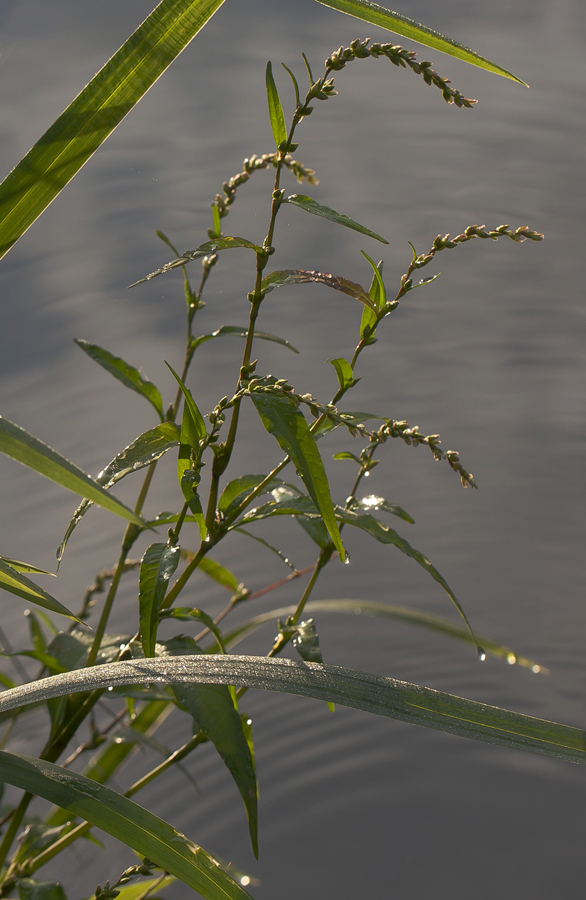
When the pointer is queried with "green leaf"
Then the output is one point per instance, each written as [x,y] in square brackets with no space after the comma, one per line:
[127,374]
[96,111]
[123,819]
[373,502]
[377,292]
[193,433]
[387,535]
[14,581]
[348,687]
[213,246]
[156,568]
[344,372]
[286,502]
[295,85]
[304,276]
[219,573]
[30,451]
[270,547]
[306,642]
[147,448]
[275,108]
[29,889]
[287,423]
[392,21]
[138,889]
[238,331]
[316,209]
[238,490]
[213,710]
[25,567]
[190,479]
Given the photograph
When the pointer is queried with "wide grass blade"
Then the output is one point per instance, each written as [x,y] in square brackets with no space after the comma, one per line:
[347,687]
[96,111]
[392,21]
[17,583]
[125,820]
[30,451]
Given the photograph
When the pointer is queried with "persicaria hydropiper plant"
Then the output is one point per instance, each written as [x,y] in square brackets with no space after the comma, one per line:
[146,677]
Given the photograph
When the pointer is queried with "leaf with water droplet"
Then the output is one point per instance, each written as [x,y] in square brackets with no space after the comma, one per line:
[307,276]
[157,566]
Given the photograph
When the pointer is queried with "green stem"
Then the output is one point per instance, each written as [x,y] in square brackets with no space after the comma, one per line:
[14,825]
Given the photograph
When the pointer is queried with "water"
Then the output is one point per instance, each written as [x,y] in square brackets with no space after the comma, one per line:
[490,355]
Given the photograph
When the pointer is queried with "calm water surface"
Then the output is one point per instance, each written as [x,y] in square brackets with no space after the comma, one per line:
[491,356]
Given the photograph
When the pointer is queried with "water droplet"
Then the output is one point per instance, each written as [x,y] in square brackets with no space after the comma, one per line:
[536,669]
[481,654]
[367,474]
[110,688]
[347,559]
[511,659]
[245,880]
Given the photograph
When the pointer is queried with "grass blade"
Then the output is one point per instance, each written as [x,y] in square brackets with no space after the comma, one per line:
[347,687]
[30,451]
[123,819]
[86,123]
[392,21]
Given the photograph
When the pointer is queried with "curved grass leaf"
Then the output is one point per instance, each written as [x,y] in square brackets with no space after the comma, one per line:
[127,374]
[147,448]
[213,710]
[213,246]
[16,583]
[238,331]
[287,423]
[30,451]
[316,209]
[304,276]
[392,21]
[96,111]
[386,535]
[156,568]
[369,609]
[123,819]
[347,687]
[275,109]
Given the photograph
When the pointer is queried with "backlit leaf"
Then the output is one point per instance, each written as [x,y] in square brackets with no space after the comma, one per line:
[213,246]
[275,109]
[127,374]
[17,583]
[316,209]
[238,331]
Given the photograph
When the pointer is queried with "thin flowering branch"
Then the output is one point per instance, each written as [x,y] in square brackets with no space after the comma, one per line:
[399,57]
[411,436]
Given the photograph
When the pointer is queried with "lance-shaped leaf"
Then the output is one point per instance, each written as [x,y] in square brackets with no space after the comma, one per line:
[127,374]
[157,566]
[316,209]
[193,429]
[213,711]
[147,448]
[30,451]
[214,246]
[125,820]
[281,418]
[370,609]
[17,583]
[286,502]
[275,109]
[347,687]
[392,21]
[25,567]
[238,331]
[239,489]
[387,535]
[96,111]
[305,276]
[344,372]
[218,573]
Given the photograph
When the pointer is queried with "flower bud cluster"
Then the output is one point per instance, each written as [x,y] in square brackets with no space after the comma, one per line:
[412,436]
[399,57]
[223,202]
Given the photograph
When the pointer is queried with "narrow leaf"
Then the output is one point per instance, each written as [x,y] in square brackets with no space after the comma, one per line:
[30,451]
[305,276]
[213,710]
[348,687]
[96,111]
[392,21]
[238,490]
[316,209]
[213,246]
[157,566]
[25,567]
[373,502]
[127,374]
[125,820]
[219,573]
[238,331]
[275,109]
[147,448]
[270,547]
[295,85]
[17,583]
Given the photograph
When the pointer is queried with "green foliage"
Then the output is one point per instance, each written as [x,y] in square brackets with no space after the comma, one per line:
[146,677]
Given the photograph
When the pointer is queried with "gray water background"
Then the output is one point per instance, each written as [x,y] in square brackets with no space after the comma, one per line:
[491,356]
